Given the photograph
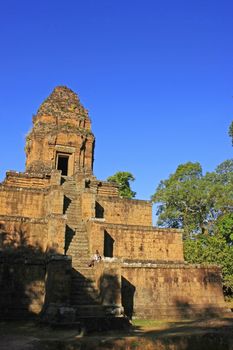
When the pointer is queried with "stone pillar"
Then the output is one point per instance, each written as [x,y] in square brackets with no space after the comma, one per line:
[56,234]
[55,177]
[108,282]
[55,217]
[57,290]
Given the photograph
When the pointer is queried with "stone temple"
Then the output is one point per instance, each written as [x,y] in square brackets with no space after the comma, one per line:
[56,214]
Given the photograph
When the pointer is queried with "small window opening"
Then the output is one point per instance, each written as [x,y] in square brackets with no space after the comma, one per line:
[87,183]
[62,164]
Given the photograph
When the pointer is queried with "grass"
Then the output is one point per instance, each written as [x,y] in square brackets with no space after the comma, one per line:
[149,323]
[211,334]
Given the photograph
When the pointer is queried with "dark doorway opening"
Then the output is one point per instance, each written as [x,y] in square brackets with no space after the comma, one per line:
[108,245]
[99,211]
[62,164]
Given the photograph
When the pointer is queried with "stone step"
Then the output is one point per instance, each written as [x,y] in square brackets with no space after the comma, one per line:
[84,253]
[84,300]
[89,311]
[74,216]
[81,292]
[82,284]
[85,273]
[80,265]
[78,247]
[80,261]
[83,295]
[80,302]
[81,235]
[74,213]
[81,238]
[81,250]
[80,243]
[73,206]
[78,254]
[83,259]
[73,210]
[73,221]
[78,258]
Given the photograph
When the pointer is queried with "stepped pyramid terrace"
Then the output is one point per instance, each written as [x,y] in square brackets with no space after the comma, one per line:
[56,214]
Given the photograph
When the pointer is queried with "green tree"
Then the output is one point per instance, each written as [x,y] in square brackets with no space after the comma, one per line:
[201,204]
[191,201]
[224,226]
[231,132]
[123,179]
[181,199]
[212,249]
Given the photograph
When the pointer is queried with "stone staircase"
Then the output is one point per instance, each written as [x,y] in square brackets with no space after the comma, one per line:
[84,296]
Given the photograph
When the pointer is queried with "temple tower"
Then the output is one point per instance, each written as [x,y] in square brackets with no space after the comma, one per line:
[61,136]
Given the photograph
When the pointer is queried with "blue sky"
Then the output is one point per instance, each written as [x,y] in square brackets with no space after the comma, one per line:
[156,77]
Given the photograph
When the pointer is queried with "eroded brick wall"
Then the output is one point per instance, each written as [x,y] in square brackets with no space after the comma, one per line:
[126,211]
[22,287]
[32,216]
[171,291]
[25,180]
[135,242]
[16,233]
[31,282]
[22,202]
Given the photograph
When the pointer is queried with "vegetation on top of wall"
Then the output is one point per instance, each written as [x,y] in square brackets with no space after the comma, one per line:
[123,179]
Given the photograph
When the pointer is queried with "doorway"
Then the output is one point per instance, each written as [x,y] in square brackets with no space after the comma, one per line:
[108,245]
[62,164]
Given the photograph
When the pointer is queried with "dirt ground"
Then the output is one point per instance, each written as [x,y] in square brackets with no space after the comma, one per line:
[215,333]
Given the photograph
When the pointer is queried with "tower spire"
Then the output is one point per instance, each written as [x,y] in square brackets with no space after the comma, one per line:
[61,136]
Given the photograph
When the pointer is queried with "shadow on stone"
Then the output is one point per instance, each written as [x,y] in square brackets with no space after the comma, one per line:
[127,294]
[66,204]
[69,234]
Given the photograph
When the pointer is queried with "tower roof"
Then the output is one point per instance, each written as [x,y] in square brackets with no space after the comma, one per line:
[60,125]
[62,103]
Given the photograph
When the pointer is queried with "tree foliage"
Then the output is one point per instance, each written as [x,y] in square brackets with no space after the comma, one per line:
[212,249]
[231,132]
[193,201]
[201,204]
[123,179]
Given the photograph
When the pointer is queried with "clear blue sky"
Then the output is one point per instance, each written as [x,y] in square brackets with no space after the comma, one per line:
[156,77]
